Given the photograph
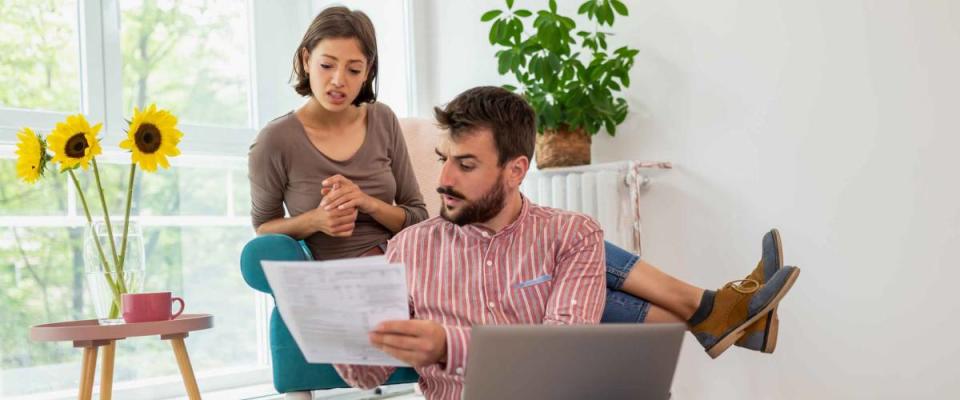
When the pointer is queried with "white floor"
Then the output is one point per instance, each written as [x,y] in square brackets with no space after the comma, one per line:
[267,392]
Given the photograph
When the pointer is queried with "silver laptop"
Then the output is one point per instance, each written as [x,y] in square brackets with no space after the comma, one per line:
[609,361]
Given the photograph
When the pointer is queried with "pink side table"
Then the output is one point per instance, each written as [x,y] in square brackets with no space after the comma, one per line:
[90,336]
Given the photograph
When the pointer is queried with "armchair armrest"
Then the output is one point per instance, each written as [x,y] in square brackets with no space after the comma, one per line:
[274,247]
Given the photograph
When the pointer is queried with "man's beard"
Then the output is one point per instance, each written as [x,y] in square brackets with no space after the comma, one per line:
[478,211]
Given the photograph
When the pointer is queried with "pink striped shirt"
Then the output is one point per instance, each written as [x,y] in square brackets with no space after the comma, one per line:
[547,267]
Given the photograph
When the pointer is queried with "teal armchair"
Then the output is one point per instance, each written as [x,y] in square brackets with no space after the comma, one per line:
[291,372]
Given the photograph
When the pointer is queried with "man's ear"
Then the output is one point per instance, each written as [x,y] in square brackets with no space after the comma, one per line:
[517,170]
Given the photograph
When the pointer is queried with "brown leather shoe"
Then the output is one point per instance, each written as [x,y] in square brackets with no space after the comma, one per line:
[762,335]
[738,305]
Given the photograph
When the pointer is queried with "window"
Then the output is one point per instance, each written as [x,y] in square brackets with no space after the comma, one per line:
[192,56]
[39,73]
[221,66]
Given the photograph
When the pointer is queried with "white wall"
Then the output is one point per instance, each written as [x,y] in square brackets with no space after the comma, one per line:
[828,119]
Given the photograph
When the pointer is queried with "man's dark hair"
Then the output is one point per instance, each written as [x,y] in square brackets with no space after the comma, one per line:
[512,121]
[339,23]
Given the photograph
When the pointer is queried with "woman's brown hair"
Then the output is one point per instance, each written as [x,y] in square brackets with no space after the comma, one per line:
[339,23]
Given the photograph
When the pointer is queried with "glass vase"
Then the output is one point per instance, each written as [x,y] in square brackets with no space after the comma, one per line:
[106,282]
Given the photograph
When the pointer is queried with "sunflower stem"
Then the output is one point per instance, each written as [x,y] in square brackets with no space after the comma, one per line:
[106,218]
[126,216]
[96,238]
[114,309]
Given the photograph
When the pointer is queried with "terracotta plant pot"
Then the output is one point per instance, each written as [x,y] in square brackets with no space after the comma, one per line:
[562,148]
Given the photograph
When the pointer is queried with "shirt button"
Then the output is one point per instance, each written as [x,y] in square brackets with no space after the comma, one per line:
[489,263]
[491,305]
[484,234]
[573,302]
[459,370]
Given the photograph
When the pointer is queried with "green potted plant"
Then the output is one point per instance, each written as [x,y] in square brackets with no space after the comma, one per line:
[569,76]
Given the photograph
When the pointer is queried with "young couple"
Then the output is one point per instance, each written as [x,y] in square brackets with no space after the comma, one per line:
[340,167]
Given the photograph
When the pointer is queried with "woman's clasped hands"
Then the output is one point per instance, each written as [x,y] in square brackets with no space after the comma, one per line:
[342,200]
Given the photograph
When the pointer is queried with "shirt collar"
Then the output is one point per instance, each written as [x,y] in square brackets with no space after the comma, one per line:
[480,231]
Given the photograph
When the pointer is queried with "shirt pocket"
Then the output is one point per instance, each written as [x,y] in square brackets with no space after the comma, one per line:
[532,282]
[528,298]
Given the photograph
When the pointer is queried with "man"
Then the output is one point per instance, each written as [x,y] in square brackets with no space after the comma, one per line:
[493,257]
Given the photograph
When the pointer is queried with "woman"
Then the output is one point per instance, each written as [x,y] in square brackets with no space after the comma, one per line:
[339,163]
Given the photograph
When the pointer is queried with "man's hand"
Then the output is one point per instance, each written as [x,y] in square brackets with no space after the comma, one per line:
[417,342]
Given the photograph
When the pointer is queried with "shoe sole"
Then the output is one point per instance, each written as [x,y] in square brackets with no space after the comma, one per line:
[773,327]
[730,338]
[776,239]
[773,322]
[770,342]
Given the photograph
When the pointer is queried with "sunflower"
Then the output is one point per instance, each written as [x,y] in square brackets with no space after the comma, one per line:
[31,156]
[74,142]
[153,136]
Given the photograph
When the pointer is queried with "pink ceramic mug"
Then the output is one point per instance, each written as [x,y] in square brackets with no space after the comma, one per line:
[145,307]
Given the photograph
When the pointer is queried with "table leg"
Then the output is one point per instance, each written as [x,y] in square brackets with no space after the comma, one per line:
[183,361]
[106,373]
[88,372]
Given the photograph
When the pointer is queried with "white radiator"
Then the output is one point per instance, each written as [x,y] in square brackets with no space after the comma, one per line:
[607,192]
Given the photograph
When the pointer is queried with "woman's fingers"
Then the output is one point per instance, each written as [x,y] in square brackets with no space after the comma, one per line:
[340,200]
[334,195]
[343,230]
[337,182]
[329,182]
[340,213]
[342,219]
[352,203]
[347,227]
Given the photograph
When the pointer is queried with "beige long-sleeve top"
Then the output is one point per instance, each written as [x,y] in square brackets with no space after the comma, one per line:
[286,169]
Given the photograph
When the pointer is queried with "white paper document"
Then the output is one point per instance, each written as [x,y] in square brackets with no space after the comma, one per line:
[331,306]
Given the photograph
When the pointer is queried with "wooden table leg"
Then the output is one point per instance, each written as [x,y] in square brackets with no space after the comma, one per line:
[183,361]
[88,372]
[106,374]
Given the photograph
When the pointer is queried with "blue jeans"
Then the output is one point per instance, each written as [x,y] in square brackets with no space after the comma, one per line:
[620,306]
